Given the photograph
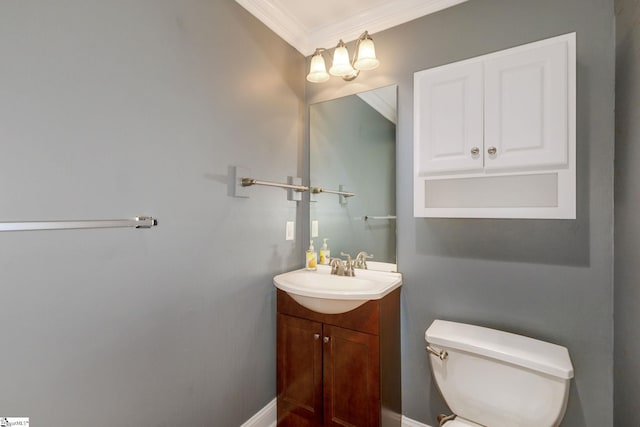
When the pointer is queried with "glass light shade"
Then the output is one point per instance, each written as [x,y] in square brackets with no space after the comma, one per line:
[366,56]
[317,69]
[341,65]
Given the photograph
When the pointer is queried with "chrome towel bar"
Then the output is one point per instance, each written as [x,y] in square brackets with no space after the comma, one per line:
[248,182]
[137,222]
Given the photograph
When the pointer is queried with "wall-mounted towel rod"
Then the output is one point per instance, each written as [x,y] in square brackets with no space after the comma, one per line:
[317,190]
[368,217]
[248,182]
[137,222]
[238,184]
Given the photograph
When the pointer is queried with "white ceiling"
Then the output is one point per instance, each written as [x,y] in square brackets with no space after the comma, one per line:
[307,25]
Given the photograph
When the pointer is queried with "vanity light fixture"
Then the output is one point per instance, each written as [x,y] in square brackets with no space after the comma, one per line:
[342,66]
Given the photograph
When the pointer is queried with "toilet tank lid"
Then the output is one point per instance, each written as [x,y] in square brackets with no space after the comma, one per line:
[530,353]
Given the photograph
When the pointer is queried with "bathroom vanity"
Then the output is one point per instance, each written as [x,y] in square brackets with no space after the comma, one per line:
[339,369]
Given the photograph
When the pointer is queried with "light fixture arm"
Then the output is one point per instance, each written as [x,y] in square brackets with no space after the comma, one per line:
[356,73]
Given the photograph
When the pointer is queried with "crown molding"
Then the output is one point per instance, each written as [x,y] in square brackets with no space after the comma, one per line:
[375,19]
[280,21]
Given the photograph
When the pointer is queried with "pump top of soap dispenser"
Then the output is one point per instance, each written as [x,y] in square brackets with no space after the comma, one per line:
[324,244]
[311,248]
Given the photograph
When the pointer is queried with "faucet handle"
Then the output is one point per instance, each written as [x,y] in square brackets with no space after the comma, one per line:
[337,266]
[361,260]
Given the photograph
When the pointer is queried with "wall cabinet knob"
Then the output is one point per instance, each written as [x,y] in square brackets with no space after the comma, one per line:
[475,151]
[492,150]
[325,339]
[316,336]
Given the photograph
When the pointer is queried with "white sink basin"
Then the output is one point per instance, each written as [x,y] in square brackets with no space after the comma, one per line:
[323,292]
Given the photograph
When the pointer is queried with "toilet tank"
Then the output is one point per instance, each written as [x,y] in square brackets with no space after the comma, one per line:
[498,379]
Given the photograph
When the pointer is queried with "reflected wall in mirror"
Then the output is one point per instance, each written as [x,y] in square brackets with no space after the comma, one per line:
[353,148]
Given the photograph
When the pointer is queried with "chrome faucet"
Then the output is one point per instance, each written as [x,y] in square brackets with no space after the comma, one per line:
[348,264]
[361,260]
[341,267]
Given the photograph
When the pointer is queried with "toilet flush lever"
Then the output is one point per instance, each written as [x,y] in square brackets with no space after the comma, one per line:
[442,355]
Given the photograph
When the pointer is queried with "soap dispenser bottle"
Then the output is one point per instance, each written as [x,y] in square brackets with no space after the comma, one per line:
[311,259]
[325,253]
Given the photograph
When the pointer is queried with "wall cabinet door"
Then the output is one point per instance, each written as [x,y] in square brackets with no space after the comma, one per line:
[448,119]
[299,372]
[526,108]
[351,378]
[497,112]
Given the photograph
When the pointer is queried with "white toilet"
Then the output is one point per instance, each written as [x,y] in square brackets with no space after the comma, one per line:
[497,379]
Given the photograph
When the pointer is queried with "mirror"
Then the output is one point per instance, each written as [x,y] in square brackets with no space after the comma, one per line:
[352,146]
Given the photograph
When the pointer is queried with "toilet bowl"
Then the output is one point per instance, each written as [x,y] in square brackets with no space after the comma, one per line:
[491,378]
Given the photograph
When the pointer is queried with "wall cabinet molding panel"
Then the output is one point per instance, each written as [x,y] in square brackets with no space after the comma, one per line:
[494,136]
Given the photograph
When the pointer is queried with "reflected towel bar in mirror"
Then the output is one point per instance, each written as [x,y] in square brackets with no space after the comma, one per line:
[369,217]
[317,190]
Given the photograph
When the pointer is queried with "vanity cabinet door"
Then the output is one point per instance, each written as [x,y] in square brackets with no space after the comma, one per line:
[448,119]
[339,369]
[351,378]
[299,372]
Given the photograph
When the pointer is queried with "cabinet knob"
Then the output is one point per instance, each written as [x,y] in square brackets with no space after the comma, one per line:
[316,336]
[325,339]
[475,151]
[492,150]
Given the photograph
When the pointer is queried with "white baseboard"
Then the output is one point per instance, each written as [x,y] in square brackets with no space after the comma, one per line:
[408,422]
[267,417]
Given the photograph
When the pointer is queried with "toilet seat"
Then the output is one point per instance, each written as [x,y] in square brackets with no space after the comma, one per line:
[460,422]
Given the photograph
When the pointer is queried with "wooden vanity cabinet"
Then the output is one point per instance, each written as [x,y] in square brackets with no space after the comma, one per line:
[339,369]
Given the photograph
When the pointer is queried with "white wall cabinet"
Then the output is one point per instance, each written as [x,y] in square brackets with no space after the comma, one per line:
[494,136]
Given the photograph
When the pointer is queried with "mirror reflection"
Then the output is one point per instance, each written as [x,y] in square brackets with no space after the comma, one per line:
[353,149]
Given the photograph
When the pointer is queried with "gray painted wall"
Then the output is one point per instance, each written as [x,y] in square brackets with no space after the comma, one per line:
[550,279]
[112,109]
[627,206]
[351,144]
